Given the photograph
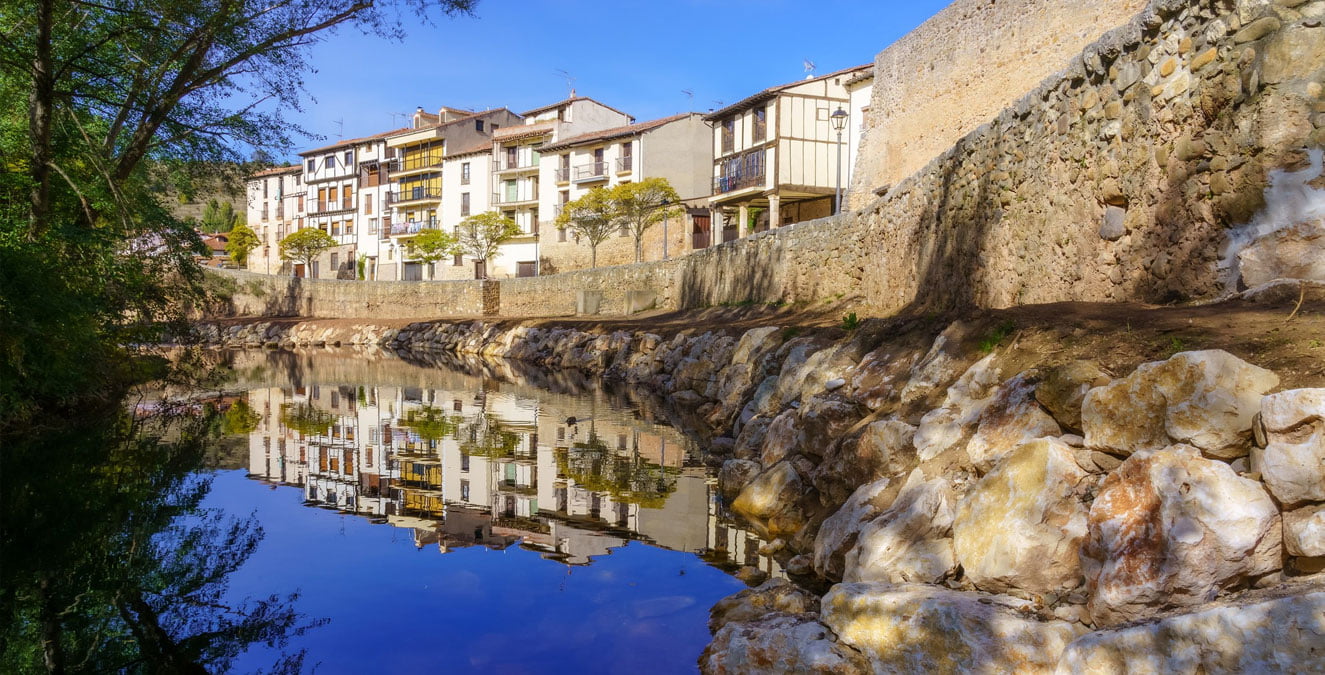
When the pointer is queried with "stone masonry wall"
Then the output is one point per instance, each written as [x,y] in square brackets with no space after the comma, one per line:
[249,294]
[959,69]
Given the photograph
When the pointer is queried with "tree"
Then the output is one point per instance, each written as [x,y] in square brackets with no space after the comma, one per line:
[220,216]
[242,242]
[642,205]
[303,246]
[480,235]
[429,246]
[593,217]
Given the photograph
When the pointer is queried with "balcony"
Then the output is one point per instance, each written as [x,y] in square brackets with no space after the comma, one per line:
[408,228]
[504,166]
[411,163]
[504,199]
[588,173]
[330,206]
[625,164]
[414,194]
[563,175]
[738,181]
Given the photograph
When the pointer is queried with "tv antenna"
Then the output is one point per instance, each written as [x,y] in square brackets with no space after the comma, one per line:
[809,68]
[396,115]
[690,98]
[570,80]
[340,128]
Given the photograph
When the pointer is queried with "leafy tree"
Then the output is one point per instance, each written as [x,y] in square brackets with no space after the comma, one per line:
[220,216]
[304,246]
[481,235]
[429,246]
[240,419]
[431,423]
[642,205]
[593,217]
[242,242]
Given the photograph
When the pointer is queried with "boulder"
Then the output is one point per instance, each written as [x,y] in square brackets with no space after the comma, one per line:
[915,628]
[1205,399]
[1021,526]
[782,438]
[750,442]
[838,534]
[777,644]
[1276,635]
[911,540]
[1294,252]
[735,475]
[825,419]
[878,378]
[1292,464]
[1172,528]
[776,595]
[883,449]
[1011,418]
[1304,532]
[772,491]
[953,423]
[1063,389]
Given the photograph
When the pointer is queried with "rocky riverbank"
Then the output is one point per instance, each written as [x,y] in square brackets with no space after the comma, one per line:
[1010,492]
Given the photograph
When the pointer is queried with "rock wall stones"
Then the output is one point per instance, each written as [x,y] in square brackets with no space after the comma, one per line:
[958,69]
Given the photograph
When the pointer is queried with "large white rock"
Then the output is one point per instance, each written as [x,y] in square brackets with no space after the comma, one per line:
[1021,526]
[1172,528]
[778,644]
[769,493]
[1206,399]
[752,604]
[782,438]
[1011,418]
[911,540]
[1279,635]
[916,628]
[838,534]
[1304,531]
[953,423]
[1292,464]
[1294,252]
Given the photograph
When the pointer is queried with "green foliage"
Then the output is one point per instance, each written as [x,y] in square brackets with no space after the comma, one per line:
[1176,344]
[996,336]
[429,246]
[361,266]
[220,216]
[306,419]
[487,437]
[431,423]
[592,217]
[303,246]
[242,242]
[240,419]
[480,235]
[641,205]
[850,322]
[628,478]
[790,332]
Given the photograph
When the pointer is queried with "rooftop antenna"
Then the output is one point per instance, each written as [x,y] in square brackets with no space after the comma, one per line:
[809,68]
[340,128]
[690,98]
[395,116]
[570,81]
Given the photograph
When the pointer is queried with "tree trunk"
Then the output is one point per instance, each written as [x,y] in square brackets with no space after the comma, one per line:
[52,652]
[593,256]
[41,100]
[639,247]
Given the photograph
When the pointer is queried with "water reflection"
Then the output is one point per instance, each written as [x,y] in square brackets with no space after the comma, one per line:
[464,456]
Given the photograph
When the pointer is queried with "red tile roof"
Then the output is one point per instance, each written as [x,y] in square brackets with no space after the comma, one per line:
[773,91]
[568,101]
[355,141]
[616,132]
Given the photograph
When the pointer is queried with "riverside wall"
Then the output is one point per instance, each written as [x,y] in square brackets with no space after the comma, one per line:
[1131,175]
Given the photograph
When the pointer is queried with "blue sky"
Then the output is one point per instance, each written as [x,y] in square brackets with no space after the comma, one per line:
[635,56]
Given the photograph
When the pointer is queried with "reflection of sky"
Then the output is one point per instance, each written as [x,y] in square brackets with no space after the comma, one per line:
[394,608]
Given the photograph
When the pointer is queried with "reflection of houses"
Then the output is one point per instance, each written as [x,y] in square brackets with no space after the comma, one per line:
[478,464]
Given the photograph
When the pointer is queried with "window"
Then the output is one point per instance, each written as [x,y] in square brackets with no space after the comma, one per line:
[565,167]
[264,187]
[368,206]
[760,125]
[299,203]
[458,260]
[330,162]
[627,156]
[372,226]
[464,204]
[478,125]
[347,197]
[349,158]
[464,170]
[728,134]
[332,193]
[312,165]
[512,155]
[456,405]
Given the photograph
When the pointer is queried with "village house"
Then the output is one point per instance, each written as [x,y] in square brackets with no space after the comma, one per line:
[676,148]
[275,208]
[776,159]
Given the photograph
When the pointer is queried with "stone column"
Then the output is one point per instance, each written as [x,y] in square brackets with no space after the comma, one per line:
[743,220]
[774,211]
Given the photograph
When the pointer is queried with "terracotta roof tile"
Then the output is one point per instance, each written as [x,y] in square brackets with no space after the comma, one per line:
[616,132]
[772,91]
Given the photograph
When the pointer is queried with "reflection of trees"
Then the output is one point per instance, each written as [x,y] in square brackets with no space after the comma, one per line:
[306,419]
[110,563]
[240,419]
[431,424]
[487,437]
[630,479]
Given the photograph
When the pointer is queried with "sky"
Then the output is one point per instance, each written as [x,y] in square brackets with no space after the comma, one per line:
[638,57]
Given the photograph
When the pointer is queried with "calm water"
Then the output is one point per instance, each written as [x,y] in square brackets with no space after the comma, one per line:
[444,518]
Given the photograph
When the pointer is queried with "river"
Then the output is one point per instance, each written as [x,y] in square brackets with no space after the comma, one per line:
[472,517]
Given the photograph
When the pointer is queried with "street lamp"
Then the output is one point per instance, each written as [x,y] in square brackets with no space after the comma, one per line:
[839,120]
